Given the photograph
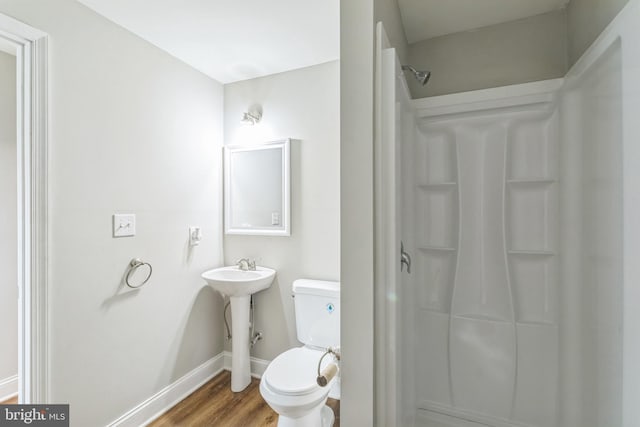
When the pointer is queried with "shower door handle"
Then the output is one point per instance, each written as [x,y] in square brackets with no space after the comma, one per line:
[405,258]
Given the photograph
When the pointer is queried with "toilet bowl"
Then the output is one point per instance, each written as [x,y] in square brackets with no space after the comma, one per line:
[289,384]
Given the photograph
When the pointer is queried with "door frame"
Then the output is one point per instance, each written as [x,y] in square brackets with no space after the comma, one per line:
[388,394]
[31,78]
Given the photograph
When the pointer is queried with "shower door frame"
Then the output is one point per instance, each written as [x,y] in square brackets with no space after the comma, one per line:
[31,80]
[387,277]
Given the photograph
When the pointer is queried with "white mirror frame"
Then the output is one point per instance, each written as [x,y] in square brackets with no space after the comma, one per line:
[285,230]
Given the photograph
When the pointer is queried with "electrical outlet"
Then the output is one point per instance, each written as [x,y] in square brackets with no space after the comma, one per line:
[195,236]
[275,218]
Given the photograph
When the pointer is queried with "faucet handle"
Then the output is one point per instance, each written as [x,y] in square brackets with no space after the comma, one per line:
[252,265]
[243,264]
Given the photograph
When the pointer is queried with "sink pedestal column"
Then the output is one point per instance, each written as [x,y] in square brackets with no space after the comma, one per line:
[240,364]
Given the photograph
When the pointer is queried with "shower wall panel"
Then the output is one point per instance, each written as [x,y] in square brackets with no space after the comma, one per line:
[487,267]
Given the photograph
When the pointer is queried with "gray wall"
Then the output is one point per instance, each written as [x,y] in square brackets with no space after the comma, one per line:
[132,129]
[303,105]
[356,210]
[537,48]
[388,12]
[586,19]
[357,44]
[8,223]
[515,52]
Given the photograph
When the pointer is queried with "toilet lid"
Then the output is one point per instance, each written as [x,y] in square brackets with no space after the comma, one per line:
[294,372]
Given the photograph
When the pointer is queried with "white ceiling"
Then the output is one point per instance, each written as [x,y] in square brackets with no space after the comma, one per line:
[424,19]
[233,40]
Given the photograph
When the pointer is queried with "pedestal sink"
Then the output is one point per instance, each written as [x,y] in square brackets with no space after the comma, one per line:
[239,285]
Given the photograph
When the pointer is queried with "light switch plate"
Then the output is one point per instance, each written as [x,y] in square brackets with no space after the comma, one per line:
[124,225]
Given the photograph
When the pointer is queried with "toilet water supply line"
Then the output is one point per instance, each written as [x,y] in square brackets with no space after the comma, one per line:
[226,323]
[330,370]
[255,336]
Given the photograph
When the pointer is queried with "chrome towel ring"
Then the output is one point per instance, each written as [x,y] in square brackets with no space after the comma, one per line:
[133,266]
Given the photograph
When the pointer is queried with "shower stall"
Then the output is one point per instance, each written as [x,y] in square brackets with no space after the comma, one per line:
[518,210]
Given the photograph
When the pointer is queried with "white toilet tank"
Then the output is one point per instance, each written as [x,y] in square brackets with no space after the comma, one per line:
[317,308]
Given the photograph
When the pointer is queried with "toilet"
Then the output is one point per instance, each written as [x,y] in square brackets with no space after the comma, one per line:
[289,384]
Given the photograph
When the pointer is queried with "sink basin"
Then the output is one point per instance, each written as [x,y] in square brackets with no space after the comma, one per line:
[233,282]
[239,285]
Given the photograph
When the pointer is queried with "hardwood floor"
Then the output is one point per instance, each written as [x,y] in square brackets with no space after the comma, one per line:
[215,405]
[12,401]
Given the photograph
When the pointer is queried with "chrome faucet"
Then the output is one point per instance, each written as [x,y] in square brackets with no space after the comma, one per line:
[245,265]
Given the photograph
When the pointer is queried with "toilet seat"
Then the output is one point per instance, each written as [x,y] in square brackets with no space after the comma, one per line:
[293,373]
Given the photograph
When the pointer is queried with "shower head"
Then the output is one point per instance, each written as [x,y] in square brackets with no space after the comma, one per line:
[421,76]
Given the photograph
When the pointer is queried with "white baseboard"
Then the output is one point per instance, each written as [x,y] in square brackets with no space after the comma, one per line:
[8,388]
[258,366]
[169,396]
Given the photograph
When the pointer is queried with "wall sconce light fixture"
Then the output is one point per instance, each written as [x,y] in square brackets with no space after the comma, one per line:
[253,116]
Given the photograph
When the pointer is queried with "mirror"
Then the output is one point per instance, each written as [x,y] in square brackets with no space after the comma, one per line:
[256,189]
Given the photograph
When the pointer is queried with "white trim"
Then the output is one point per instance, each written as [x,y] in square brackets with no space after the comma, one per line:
[7,47]
[285,221]
[384,403]
[542,92]
[18,29]
[387,234]
[31,77]
[626,28]
[158,404]
[152,408]
[258,366]
[8,388]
